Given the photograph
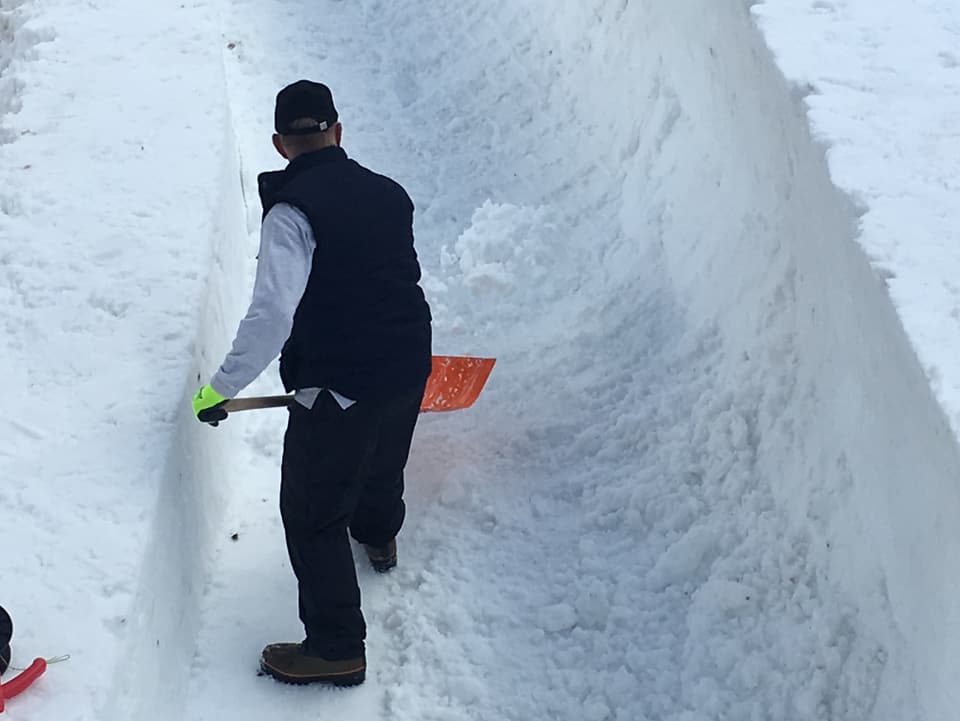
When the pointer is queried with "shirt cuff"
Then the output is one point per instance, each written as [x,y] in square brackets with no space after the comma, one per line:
[221,386]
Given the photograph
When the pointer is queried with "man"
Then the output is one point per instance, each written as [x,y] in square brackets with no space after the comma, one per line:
[337,295]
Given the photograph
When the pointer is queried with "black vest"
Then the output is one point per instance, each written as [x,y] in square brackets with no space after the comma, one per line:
[363,326]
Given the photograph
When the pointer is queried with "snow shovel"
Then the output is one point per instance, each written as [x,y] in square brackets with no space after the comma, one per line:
[454,383]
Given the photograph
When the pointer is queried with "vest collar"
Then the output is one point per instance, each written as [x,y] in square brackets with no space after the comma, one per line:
[272,182]
[314,158]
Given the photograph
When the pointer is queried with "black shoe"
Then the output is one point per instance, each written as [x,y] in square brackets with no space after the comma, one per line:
[6,633]
[382,558]
[288,663]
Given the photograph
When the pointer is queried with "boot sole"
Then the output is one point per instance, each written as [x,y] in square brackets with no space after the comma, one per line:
[349,678]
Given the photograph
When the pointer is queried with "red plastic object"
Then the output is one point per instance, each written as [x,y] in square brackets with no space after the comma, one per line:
[21,682]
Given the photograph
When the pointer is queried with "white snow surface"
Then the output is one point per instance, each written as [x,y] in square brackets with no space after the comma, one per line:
[714,473]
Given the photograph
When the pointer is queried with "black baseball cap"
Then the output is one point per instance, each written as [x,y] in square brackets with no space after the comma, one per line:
[301,100]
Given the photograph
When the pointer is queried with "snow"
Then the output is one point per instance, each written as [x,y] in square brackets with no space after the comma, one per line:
[713,473]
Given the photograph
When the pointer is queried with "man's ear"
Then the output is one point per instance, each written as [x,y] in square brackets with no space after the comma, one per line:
[278,144]
[338,132]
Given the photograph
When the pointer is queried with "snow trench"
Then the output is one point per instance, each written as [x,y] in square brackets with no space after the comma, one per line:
[701,379]
[708,478]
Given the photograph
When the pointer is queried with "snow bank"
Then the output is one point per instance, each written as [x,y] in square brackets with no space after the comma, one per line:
[881,91]
[113,184]
[849,434]
[838,411]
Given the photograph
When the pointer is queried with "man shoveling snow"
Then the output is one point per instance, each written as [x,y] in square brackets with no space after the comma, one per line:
[337,295]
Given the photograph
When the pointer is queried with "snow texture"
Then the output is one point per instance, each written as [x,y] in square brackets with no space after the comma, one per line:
[713,475]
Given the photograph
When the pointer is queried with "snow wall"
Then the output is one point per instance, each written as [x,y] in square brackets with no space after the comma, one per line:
[154,668]
[758,241]
[112,201]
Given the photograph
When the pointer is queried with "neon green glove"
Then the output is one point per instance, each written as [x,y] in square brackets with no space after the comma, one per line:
[208,405]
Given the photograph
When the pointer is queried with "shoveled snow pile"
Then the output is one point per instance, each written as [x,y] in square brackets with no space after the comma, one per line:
[711,476]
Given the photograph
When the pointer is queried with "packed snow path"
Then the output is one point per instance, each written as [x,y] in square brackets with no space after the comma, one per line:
[682,495]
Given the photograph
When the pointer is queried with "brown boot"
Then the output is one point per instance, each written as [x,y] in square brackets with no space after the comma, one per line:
[287,662]
[382,558]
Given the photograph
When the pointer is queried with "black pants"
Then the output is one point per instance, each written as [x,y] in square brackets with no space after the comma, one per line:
[341,469]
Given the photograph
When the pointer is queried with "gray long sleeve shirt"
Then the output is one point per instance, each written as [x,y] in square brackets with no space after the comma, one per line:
[283,269]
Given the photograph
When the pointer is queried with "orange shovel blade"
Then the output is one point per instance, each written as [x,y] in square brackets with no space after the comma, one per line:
[455,382]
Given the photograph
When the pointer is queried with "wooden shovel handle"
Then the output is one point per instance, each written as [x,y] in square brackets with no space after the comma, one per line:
[253,404]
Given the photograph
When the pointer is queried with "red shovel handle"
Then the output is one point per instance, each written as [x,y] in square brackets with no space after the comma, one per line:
[20,683]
